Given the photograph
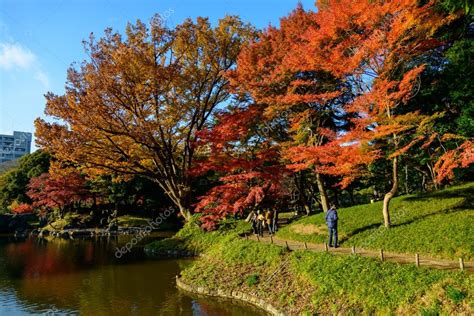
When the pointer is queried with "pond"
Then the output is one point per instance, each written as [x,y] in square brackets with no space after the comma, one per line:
[84,277]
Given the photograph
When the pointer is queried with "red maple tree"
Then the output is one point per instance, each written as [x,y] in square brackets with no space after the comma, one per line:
[22,208]
[58,192]
[251,175]
[377,47]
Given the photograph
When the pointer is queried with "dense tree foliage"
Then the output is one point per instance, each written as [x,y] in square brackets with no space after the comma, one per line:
[135,107]
[335,90]
[357,96]
[13,184]
[59,193]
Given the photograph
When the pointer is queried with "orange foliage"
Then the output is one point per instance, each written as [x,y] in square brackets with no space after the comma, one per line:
[135,106]
[461,157]
[21,208]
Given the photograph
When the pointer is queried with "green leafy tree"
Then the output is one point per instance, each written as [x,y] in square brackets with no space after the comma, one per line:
[13,184]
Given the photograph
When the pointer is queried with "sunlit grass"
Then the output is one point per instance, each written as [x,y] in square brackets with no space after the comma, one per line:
[318,282]
[437,224]
[132,221]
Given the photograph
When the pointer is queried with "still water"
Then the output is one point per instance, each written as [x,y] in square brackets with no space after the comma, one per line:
[83,277]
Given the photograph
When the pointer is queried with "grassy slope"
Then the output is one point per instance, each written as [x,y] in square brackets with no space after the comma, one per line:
[438,224]
[318,282]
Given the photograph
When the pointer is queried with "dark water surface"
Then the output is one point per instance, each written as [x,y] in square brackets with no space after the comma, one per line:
[84,277]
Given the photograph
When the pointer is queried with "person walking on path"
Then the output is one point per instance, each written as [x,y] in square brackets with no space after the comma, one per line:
[331,221]
[252,218]
[269,220]
[260,223]
[275,220]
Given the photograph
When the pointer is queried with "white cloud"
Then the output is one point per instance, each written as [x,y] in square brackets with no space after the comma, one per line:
[15,56]
[43,78]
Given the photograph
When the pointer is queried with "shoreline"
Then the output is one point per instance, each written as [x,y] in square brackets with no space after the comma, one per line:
[282,282]
[232,295]
[72,233]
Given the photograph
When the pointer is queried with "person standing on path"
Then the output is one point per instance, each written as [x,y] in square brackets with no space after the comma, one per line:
[260,223]
[269,220]
[275,220]
[331,221]
[252,218]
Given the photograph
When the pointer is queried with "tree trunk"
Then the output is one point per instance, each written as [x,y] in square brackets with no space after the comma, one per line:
[388,197]
[179,196]
[300,183]
[351,195]
[307,209]
[336,197]
[186,213]
[433,176]
[407,190]
[322,192]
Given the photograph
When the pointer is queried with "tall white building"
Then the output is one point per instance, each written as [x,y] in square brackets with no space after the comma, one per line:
[14,146]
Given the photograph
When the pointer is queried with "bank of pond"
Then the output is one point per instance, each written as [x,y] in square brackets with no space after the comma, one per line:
[305,282]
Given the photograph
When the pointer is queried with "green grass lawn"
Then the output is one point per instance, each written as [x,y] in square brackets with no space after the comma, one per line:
[132,221]
[358,285]
[304,282]
[439,224]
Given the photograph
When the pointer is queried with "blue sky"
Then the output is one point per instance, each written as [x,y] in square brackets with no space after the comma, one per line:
[40,39]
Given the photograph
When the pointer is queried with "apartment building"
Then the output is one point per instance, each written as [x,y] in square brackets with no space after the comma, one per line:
[14,146]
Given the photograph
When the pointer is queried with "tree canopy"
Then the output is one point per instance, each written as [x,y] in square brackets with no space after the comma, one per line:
[135,106]
[331,100]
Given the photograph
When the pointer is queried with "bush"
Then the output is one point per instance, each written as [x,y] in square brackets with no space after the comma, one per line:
[252,279]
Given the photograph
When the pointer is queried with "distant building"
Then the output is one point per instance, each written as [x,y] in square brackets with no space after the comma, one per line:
[14,146]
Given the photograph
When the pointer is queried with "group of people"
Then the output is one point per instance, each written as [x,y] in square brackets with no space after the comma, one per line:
[268,218]
[261,219]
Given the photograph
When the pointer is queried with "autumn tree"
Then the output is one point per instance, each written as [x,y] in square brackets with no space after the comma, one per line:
[302,100]
[58,192]
[248,165]
[21,208]
[378,47]
[135,106]
[13,183]
[444,89]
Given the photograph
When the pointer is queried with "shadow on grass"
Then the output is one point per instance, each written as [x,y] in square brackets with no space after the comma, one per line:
[459,208]
[467,193]
[467,203]
[360,230]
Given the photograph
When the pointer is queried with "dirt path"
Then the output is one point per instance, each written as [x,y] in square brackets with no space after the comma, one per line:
[387,256]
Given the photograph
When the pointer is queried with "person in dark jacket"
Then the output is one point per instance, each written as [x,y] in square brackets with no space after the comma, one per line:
[331,221]
[275,220]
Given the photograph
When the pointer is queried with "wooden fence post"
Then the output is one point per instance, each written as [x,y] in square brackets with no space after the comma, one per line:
[305,245]
[286,243]
[353,249]
[271,239]
[417,259]
[381,254]
[258,238]
[326,247]
[461,264]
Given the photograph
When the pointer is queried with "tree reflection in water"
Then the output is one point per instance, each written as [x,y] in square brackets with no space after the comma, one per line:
[83,276]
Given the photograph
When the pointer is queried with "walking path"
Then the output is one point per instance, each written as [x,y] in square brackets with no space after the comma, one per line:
[387,256]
